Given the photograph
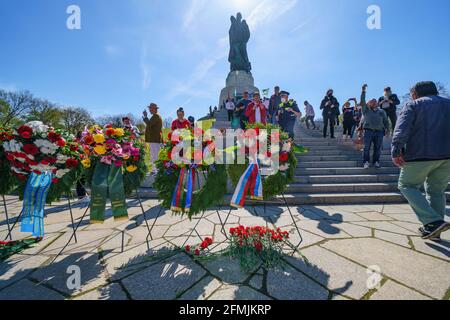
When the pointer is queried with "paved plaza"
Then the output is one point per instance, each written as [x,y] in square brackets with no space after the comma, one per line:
[353,252]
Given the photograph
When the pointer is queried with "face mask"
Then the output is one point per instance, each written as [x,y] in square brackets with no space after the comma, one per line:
[284,100]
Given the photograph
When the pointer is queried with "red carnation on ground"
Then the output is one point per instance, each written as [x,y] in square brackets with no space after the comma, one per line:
[31,149]
[25,132]
[188,248]
[197,252]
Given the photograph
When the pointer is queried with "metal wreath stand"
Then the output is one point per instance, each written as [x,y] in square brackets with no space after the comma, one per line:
[74,227]
[223,222]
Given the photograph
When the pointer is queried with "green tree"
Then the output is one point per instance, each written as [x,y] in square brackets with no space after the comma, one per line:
[75,119]
[46,112]
[14,106]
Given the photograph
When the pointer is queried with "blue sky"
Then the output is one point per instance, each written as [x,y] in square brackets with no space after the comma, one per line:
[174,52]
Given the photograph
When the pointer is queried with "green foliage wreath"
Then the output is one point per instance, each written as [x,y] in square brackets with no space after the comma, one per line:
[209,195]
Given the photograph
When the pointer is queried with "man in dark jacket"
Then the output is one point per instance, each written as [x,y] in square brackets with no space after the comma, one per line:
[389,103]
[421,147]
[330,107]
[153,133]
[275,101]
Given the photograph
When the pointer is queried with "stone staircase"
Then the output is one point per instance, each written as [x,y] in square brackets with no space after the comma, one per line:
[221,122]
[331,173]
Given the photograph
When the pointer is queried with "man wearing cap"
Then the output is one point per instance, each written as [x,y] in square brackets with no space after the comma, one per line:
[421,148]
[241,108]
[389,103]
[275,101]
[153,133]
[288,112]
[256,111]
[330,107]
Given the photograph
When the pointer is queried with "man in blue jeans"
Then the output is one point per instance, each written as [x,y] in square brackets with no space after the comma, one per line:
[376,126]
[421,148]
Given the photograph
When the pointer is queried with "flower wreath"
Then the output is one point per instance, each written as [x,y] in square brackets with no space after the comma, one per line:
[277,183]
[177,185]
[118,147]
[8,182]
[37,148]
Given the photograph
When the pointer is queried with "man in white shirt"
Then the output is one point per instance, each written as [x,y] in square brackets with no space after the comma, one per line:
[230,106]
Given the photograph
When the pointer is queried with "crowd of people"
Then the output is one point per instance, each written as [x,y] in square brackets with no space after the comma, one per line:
[419,144]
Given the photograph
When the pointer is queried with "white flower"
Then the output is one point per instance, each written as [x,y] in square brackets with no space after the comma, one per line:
[61,159]
[287,147]
[38,127]
[61,173]
[46,146]
[13,146]
[16,170]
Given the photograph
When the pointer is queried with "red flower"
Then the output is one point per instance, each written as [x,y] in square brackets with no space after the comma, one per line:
[89,139]
[71,163]
[188,248]
[53,136]
[197,252]
[31,149]
[258,246]
[55,180]
[37,172]
[73,147]
[25,132]
[110,132]
[136,158]
[284,157]
[10,156]
[61,143]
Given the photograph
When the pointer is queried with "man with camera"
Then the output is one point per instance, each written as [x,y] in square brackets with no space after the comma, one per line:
[389,103]
[375,125]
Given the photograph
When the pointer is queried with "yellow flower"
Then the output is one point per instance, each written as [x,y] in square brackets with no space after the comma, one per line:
[99,138]
[100,149]
[86,163]
[132,169]
[119,132]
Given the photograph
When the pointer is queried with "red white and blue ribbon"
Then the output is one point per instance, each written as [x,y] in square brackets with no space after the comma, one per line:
[250,184]
[184,190]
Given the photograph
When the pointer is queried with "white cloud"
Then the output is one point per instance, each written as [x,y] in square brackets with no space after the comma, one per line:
[145,69]
[112,50]
[268,10]
[193,11]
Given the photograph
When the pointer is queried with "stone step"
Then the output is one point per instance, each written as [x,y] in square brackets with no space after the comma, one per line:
[345,171]
[369,178]
[345,198]
[338,164]
[343,187]
[353,157]
[318,198]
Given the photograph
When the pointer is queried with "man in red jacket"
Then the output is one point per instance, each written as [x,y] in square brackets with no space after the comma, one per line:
[256,111]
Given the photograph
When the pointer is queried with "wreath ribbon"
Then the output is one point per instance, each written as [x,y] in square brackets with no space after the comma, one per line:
[249,184]
[186,179]
[35,196]
[108,180]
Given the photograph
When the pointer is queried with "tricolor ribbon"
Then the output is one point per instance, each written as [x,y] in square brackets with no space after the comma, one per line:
[250,184]
[184,190]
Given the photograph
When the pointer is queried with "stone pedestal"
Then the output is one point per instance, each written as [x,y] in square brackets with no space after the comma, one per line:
[237,82]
